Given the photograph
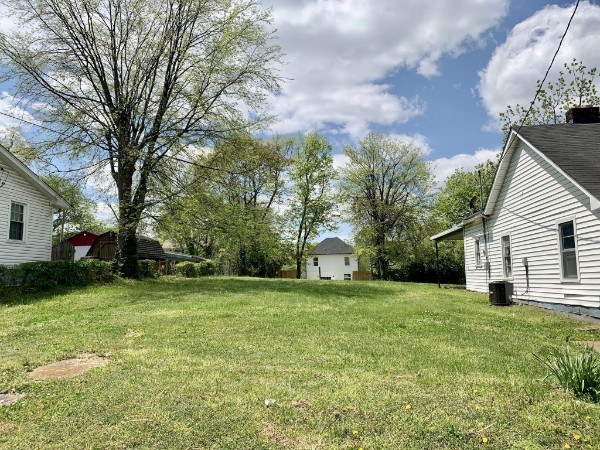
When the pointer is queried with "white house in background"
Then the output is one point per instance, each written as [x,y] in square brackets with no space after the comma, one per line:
[540,228]
[332,259]
[26,209]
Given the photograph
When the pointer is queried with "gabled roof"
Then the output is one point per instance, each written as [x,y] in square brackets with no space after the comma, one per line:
[572,149]
[333,246]
[15,164]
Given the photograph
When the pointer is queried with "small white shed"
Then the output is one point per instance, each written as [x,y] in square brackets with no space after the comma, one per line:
[332,259]
[27,205]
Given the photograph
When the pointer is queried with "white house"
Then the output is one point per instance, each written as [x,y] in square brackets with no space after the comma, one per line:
[332,259]
[26,208]
[540,228]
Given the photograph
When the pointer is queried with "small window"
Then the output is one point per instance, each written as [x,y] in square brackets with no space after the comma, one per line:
[346,260]
[347,277]
[506,257]
[477,252]
[17,222]
[568,250]
[315,261]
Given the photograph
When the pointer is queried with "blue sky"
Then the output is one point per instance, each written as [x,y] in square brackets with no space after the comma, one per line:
[435,72]
[438,72]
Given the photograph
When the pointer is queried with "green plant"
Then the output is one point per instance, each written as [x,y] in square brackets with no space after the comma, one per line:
[577,372]
[205,268]
[186,269]
[98,270]
[146,269]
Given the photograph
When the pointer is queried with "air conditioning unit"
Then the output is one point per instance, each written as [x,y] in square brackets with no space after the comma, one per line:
[500,292]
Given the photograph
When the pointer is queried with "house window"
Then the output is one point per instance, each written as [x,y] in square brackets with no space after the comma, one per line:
[568,250]
[347,277]
[477,253]
[315,261]
[506,257]
[17,222]
[346,260]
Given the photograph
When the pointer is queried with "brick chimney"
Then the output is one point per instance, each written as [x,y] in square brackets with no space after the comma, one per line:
[584,114]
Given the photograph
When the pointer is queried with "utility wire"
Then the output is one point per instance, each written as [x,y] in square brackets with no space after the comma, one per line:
[524,119]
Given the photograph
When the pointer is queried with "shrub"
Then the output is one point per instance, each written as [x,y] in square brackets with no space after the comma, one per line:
[98,270]
[146,269]
[186,269]
[46,275]
[206,268]
[579,372]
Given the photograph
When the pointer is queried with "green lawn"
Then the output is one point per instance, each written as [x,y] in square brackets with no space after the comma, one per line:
[192,362]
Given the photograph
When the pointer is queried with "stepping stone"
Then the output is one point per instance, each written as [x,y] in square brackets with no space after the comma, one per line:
[10,398]
[594,344]
[68,368]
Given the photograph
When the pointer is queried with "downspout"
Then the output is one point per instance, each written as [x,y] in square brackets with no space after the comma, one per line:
[488,267]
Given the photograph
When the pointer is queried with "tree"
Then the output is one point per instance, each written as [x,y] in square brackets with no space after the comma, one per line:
[81,215]
[128,85]
[311,202]
[454,199]
[228,211]
[574,87]
[385,184]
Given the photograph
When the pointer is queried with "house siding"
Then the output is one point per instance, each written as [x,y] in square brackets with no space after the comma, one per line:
[37,243]
[534,197]
[331,266]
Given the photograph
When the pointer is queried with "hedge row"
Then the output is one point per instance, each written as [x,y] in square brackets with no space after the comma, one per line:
[45,275]
[193,270]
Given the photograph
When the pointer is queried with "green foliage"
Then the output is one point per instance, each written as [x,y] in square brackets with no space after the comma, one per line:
[311,203]
[574,87]
[46,275]
[227,212]
[206,268]
[577,372]
[189,269]
[453,201]
[146,268]
[386,186]
[81,216]
[186,269]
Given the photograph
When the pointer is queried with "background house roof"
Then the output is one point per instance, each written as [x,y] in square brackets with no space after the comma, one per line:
[333,246]
[575,148]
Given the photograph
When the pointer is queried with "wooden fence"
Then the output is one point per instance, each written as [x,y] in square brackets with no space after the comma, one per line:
[286,274]
[63,251]
[358,275]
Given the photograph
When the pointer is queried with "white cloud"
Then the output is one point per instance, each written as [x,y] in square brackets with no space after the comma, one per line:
[105,213]
[15,114]
[339,53]
[340,160]
[512,73]
[444,167]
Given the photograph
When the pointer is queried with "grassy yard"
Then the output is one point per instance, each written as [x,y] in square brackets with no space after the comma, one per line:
[350,365]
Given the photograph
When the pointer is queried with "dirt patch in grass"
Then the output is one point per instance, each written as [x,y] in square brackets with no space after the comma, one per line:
[68,368]
[277,436]
[591,328]
[133,334]
[5,427]
[9,398]
[593,344]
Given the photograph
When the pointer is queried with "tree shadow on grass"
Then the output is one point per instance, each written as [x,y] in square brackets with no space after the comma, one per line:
[256,286]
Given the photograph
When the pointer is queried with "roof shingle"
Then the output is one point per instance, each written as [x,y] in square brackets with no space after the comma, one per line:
[333,246]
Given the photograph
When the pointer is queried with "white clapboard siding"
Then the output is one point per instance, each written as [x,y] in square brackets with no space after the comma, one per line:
[534,197]
[37,242]
[332,266]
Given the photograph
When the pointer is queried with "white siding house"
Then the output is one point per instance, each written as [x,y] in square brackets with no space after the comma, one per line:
[332,259]
[540,229]
[26,209]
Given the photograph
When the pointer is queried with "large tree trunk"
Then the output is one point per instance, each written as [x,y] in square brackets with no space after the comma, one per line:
[127,259]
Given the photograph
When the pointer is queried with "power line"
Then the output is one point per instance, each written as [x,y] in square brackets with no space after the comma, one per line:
[524,119]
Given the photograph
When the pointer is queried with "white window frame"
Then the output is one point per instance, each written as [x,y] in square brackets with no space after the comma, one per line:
[347,277]
[25,214]
[477,252]
[504,274]
[558,223]
[315,261]
[346,260]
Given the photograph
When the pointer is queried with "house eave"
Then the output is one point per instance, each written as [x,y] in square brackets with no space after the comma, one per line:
[455,233]
[19,167]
